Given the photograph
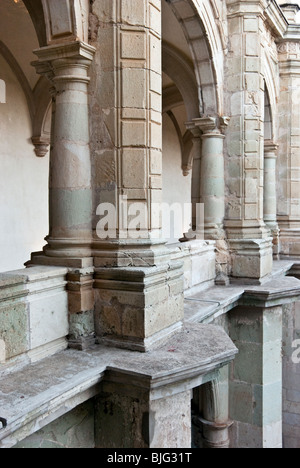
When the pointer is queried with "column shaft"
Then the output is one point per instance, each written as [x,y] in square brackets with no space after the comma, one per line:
[70,190]
[212,176]
[270,193]
[213,183]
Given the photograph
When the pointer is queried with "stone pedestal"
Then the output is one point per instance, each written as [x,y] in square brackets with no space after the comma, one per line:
[252,260]
[138,308]
[132,417]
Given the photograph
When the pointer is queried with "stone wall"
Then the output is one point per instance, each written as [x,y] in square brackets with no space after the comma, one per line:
[33,314]
[73,430]
[291,376]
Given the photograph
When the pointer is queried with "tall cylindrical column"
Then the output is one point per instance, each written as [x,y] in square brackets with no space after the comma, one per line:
[270,204]
[212,184]
[270,192]
[70,167]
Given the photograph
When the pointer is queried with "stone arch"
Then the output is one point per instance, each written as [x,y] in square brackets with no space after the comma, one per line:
[268,117]
[43,103]
[207,48]
[272,86]
[180,71]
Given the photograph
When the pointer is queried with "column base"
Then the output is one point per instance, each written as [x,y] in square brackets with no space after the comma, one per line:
[130,253]
[252,260]
[215,435]
[81,300]
[40,258]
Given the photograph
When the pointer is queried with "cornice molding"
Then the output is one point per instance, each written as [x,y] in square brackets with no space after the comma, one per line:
[269,10]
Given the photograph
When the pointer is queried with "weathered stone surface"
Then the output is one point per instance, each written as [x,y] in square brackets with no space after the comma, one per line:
[56,385]
[73,430]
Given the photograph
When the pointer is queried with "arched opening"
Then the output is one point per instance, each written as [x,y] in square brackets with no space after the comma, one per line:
[23,176]
[193,63]
[268,121]
[270,173]
[181,166]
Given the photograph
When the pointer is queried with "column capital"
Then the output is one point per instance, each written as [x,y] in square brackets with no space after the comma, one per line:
[196,131]
[72,50]
[270,149]
[212,125]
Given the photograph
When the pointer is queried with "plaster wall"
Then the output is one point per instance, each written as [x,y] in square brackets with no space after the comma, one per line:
[23,180]
[176,187]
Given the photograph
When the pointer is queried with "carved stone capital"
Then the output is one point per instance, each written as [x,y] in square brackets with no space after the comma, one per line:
[212,125]
[207,124]
[270,149]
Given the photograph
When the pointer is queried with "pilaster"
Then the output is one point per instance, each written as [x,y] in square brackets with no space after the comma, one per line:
[139,291]
[289,144]
[244,221]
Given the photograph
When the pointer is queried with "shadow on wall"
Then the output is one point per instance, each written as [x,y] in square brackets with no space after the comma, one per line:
[2,92]
[23,178]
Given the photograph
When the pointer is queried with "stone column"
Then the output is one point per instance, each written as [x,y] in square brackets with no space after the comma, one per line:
[212,177]
[248,235]
[196,170]
[70,192]
[214,420]
[139,289]
[70,165]
[212,187]
[270,192]
[289,144]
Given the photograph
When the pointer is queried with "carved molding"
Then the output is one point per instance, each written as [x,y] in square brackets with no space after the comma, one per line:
[212,125]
